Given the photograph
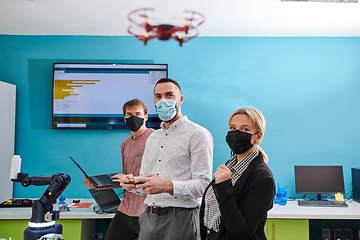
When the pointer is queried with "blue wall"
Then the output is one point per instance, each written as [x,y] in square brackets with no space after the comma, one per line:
[307,88]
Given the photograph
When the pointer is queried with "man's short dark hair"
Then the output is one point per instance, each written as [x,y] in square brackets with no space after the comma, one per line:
[135,102]
[165,80]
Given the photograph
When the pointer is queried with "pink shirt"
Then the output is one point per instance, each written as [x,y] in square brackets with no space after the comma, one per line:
[131,152]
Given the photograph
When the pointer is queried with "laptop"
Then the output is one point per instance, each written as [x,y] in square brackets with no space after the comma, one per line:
[99,181]
[107,200]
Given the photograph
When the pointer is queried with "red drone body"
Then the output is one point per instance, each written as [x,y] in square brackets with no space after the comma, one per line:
[164,31]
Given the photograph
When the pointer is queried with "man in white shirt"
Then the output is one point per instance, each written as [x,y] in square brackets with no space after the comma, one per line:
[175,170]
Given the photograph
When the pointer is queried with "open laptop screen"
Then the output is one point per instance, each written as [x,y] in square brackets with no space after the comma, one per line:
[105,199]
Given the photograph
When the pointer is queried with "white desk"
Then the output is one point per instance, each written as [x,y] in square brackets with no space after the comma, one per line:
[74,213]
[293,222]
[293,211]
[290,211]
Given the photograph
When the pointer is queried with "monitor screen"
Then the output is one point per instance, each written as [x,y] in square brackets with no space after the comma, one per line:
[91,95]
[319,180]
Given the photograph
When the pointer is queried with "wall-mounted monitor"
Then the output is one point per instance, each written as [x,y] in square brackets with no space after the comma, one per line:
[319,180]
[91,95]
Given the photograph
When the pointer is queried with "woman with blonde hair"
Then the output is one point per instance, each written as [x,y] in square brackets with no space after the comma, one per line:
[236,202]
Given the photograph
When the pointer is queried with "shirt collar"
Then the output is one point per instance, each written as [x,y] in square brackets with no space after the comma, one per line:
[178,123]
[243,164]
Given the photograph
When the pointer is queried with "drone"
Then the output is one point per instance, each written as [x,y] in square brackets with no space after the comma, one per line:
[164,31]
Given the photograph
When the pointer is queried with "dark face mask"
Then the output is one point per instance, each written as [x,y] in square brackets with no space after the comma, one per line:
[239,142]
[134,123]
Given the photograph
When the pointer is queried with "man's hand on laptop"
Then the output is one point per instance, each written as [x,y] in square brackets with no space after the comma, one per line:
[89,184]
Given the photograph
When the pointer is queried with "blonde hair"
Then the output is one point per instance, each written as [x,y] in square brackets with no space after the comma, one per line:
[258,121]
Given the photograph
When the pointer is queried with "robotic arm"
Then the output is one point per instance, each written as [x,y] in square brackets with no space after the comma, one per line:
[43,216]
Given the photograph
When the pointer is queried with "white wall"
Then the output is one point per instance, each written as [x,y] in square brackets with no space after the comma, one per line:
[7,137]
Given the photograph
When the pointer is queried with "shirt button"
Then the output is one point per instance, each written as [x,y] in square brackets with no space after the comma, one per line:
[208,231]
[159,160]
[162,146]
[157,174]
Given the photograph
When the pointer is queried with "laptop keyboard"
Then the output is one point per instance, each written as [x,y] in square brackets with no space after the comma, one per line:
[103,180]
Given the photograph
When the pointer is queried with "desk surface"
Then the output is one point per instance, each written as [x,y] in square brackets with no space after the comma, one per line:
[74,213]
[290,211]
[293,211]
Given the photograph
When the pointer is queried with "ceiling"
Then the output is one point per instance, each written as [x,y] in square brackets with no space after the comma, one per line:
[223,17]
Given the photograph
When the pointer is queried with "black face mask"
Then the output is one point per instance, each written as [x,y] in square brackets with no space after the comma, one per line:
[134,123]
[239,142]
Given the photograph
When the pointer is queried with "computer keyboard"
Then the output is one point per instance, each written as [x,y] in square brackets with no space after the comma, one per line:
[321,203]
[17,203]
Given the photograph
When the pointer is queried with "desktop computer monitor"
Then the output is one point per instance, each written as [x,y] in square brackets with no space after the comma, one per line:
[319,180]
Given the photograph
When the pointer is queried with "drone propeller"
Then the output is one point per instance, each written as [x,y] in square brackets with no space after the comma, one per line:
[137,13]
[181,39]
[194,15]
[145,37]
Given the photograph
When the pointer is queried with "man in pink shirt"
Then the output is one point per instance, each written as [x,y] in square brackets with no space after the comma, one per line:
[125,224]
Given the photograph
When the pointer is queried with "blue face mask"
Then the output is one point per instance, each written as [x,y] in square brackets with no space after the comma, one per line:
[166,109]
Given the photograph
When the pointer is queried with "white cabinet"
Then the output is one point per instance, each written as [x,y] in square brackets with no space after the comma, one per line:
[7,137]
